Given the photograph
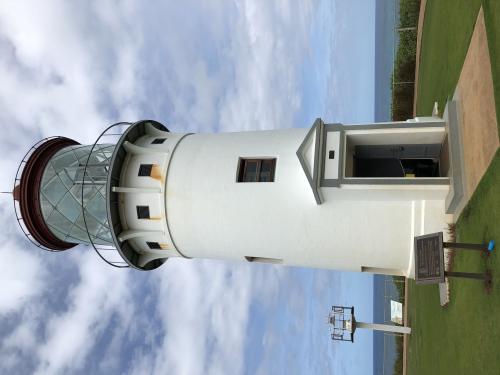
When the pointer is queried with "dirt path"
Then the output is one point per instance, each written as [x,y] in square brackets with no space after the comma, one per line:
[477,104]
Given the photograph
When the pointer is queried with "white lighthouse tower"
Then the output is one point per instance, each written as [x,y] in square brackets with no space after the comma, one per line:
[345,197]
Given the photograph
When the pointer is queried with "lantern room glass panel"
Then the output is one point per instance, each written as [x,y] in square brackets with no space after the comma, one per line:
[61,195]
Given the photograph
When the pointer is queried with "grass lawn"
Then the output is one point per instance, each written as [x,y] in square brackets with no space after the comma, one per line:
[464,338]
[447,31]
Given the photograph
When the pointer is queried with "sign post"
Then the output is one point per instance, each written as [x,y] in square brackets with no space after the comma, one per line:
[429,259]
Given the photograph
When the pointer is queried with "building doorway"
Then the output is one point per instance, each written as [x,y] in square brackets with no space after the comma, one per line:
[395,154]
[401,160]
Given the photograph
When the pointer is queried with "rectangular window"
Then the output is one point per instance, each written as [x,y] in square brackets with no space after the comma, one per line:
[256,170]
[145,170]
[143,212]
[383,271]
[158,141]
[154,245]
[264,260]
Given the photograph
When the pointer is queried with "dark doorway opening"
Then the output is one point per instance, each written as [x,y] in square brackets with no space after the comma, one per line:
[396,161]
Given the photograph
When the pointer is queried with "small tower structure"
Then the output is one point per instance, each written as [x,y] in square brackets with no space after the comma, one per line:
[343,324]
[346,197]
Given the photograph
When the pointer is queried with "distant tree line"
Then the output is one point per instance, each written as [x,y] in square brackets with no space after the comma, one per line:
[403,76]
[398,363]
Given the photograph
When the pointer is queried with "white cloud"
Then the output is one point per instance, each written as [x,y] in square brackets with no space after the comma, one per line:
[59,63]
[71,68]
[70,336]
[22,277]
[267,51]
[204,307]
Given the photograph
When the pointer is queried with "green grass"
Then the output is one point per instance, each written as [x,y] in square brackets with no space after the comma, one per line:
[447,31]
[464,338]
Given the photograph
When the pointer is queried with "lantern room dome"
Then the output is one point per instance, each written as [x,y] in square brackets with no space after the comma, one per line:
[27,193]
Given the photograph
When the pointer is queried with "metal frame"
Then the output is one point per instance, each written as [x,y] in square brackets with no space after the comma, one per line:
[241,171]
[19,174]
[342,311]
[126,251]
[343,180]
[101,248]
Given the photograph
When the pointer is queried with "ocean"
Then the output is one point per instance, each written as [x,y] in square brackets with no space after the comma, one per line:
[386,11]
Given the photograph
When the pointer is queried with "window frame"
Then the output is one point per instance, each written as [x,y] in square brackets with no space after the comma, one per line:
[142,210]
[158,141]
[152,245]
[242,163]
[265,260]
[145,168]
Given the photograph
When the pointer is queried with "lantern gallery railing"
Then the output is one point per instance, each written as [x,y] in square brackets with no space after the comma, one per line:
[95,168]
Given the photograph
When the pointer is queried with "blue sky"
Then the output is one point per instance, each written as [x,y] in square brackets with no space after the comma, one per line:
[72,68]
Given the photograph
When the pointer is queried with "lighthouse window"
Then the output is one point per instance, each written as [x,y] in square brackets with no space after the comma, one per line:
[154,245]
[158,141]
[256,170]
[145,170]
[264,260]
[143,212]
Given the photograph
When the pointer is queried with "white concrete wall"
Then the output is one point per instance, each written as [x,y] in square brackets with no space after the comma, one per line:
[332,165]
[210,215]
[147,191]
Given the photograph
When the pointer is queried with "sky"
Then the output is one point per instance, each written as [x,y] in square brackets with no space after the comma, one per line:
[72,69]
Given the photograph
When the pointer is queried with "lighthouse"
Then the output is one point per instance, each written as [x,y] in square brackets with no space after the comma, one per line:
[337,196]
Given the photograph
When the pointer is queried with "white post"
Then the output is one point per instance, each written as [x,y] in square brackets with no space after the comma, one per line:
[384,327]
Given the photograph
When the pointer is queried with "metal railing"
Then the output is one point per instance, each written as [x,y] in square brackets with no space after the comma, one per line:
[108,253]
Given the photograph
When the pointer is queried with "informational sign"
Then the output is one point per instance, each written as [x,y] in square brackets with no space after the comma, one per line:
[396,312]
[429,258]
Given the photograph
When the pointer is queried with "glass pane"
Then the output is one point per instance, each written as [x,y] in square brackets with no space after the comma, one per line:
[93,226]
[89,191]
[59,221]
[49,172]
[250,171]
[145,169]
[97,208]
[63,159]
[104,234]
[158,141]
[65,178]
[267,170]
[78,235]
[80,152]
[69,207]
[62,236]
[94,174]
[53,190]
[143,212]
[60,193]
[46,206]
